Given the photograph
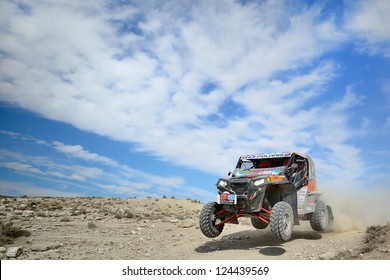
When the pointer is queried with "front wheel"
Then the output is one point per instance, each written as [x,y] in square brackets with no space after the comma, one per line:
[209,218]
[282,221]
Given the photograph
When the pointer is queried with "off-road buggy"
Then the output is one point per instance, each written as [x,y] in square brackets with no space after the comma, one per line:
[276,189]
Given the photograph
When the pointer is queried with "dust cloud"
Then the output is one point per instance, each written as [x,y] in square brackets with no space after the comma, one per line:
[356,209]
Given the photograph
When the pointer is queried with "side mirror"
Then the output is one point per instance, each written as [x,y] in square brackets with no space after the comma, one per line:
[229,173]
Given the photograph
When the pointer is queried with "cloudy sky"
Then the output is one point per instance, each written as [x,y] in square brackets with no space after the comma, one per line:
[153,98]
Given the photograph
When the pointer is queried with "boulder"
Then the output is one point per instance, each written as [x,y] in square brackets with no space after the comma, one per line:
[14,252]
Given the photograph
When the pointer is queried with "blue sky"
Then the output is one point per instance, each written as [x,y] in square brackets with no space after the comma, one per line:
[153,98]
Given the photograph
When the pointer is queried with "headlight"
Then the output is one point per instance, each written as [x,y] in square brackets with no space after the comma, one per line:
[258,182]
[222,183]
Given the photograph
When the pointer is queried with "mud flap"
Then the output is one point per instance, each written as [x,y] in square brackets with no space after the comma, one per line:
[330,216]
[291,197]
[292,200]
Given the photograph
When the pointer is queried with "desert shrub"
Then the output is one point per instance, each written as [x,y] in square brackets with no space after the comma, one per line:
[105,211]
[54,205]
[8,232]
[129,215]
[92,225]
[375,236]
[42,214]
[75,211]
[125,214]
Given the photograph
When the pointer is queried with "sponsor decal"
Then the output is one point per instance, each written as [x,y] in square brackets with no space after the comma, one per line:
[301,197]
[312,186]
[266,155]
[265,172]
[243,172]
[227,198]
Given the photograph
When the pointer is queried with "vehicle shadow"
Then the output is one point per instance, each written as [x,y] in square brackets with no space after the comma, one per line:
[254,239]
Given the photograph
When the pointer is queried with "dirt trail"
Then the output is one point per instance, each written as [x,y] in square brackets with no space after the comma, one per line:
[165,228]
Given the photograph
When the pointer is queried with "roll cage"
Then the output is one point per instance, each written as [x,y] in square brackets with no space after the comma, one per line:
[294,166]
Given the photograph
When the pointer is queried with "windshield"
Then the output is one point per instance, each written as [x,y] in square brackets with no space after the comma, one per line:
[260,166]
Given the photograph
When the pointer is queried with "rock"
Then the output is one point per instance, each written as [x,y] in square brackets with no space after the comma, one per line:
[185,224]
[14,252]
[28,213]
[384,250]
[22,206]
[176,237]
[45,247]
[3,249]
[327,255]
[174,221]
[18,212]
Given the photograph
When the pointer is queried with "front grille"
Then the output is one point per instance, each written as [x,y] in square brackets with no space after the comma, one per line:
[239,187]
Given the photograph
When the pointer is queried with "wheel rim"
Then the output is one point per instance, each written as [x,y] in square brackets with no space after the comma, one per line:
[215,221]
[286,222]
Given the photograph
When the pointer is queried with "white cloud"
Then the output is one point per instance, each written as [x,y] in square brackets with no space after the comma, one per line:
[21,167]
[87,172]
[79,152]
[15,188]
[370,20]
[45,166]
[79,65]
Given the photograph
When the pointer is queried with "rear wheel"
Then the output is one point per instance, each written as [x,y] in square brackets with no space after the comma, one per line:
[282,221]
[320,218]
[259,224]
[209,218]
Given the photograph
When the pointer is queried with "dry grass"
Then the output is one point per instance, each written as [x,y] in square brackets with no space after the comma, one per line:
[92,225]
[8,232]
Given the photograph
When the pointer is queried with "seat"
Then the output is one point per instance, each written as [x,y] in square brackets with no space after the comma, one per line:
[264,164]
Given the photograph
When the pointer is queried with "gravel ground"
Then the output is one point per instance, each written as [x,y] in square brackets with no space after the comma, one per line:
[164,228]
